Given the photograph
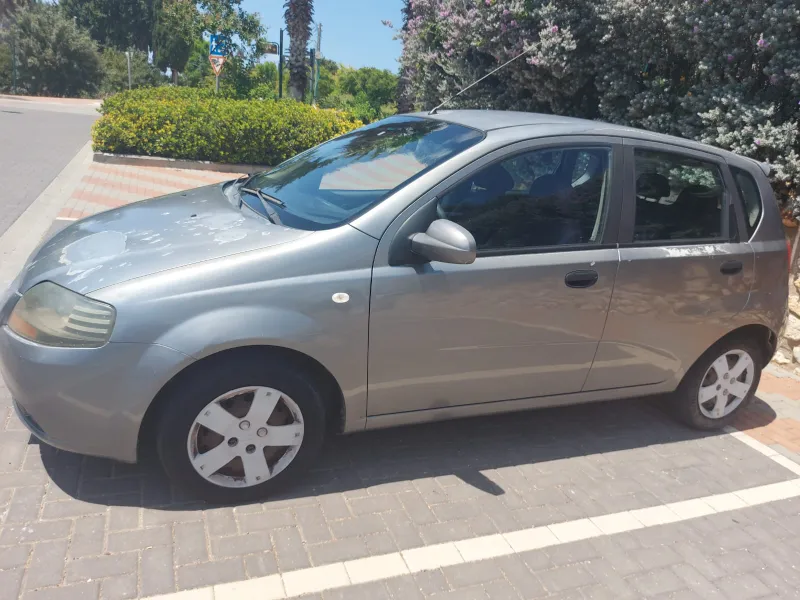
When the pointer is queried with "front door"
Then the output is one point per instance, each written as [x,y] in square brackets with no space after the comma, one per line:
[526,317]
[684,272]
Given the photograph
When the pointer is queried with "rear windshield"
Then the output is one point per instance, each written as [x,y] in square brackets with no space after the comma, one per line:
[340,179]
[748,190]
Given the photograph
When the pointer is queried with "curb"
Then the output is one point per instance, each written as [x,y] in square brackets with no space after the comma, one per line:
[174,163]
[95,102]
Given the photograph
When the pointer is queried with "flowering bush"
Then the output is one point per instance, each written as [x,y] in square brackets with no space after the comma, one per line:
[724,72]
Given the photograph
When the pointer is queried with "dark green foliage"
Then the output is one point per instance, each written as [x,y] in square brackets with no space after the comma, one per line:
[367,93]
[115,71]
[54,56]
[119,24]
[175,33]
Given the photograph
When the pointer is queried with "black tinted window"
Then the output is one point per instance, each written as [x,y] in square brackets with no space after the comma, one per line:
[677,198]
[543,198]
[748,190]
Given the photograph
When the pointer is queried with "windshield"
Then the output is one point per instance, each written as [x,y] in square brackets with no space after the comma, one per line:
[338,180]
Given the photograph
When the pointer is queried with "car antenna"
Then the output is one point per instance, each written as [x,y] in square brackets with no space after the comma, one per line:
[474,83]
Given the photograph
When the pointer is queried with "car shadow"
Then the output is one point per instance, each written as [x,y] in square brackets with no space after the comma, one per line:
[463,448]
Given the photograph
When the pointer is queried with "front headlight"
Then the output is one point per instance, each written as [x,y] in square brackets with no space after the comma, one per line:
[51,315]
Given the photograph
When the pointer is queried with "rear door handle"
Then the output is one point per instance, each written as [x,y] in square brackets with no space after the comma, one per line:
[581,279]
[731,267]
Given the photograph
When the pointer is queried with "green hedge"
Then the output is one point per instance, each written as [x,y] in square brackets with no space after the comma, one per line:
[196,124]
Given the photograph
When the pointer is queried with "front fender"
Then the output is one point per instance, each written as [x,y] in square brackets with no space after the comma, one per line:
[279,297]
[231,327]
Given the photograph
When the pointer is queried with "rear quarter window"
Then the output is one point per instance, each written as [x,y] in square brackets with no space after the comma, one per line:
[751,197]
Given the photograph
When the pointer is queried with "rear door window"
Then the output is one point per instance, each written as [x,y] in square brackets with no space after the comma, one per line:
[748,190]
[678,198]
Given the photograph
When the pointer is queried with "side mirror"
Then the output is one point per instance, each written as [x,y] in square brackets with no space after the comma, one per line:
[446,242]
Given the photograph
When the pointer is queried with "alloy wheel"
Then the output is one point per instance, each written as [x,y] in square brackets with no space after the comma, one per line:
[726,384]
[245,437]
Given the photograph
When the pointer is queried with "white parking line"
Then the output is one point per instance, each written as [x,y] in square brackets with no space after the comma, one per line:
[386,566]
[342,574]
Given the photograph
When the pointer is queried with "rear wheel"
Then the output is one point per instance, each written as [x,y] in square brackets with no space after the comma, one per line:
[720,384]
[239,430]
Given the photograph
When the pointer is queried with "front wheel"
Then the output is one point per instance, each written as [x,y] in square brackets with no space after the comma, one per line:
[236,431]
[721,384]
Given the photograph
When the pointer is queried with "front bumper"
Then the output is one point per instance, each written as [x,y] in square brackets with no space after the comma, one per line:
[89,401]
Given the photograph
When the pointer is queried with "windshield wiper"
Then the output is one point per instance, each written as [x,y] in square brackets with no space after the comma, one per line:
[272,214]
[265,197]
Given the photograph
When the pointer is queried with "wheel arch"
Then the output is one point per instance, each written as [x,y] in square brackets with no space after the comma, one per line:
[766,339]
[333,392]
[763,336]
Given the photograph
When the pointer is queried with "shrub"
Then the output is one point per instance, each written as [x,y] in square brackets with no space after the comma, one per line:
[197,124]
[724,72]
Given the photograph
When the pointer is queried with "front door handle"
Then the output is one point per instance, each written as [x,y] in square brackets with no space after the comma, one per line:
[581,279]
[731,267]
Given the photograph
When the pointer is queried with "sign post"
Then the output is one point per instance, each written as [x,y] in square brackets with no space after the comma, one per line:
[280,67]
[130,80]
[217,54]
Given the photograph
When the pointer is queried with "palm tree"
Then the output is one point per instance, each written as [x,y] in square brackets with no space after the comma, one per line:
[298,15]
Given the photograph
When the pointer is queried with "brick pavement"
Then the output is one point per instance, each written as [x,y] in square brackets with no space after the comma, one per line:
[105,186]
[78,527]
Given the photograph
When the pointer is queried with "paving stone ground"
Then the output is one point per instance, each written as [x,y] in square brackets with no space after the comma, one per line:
[78,527]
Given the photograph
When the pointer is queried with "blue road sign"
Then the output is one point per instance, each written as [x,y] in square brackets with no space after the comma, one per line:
[218,45]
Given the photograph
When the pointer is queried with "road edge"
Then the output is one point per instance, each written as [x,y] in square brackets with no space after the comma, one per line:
[25,234]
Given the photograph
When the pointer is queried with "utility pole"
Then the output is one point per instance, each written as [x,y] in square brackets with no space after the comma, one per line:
[313,56]
[130,79]
[280,67]
[14,64]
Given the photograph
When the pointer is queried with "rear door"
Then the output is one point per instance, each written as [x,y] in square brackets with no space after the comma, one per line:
[685,271]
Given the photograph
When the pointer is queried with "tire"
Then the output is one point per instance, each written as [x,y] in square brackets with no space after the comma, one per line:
[703,378]
[208,411]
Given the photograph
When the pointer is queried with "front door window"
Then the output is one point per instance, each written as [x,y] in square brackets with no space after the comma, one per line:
[551,197]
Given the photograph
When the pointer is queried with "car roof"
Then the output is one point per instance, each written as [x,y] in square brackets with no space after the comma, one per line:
[489,120]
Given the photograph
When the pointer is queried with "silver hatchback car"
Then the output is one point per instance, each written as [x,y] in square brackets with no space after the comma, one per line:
[423,267]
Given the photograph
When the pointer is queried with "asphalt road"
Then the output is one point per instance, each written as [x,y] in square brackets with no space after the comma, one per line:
[37,140]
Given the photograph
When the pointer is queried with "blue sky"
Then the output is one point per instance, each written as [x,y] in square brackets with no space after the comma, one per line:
[352,32]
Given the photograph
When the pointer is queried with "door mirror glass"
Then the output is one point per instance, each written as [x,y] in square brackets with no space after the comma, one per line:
[446,242]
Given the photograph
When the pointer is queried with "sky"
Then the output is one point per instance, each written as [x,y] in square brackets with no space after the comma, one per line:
[352,32]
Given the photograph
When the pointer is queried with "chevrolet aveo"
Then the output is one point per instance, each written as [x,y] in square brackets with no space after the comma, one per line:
[423,267]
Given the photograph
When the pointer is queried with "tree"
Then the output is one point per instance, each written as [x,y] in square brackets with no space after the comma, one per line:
[328,70]
[175,34]
[115,71]
[54,55]
[379,86]
[299,15]
[242,30]
[8,7]
[198,71]
[367,93]
[119,24]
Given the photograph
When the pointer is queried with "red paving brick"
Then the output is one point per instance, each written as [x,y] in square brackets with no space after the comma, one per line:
[97,192]
[765,426]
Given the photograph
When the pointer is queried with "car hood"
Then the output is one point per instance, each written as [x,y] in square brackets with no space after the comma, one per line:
[151,236]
